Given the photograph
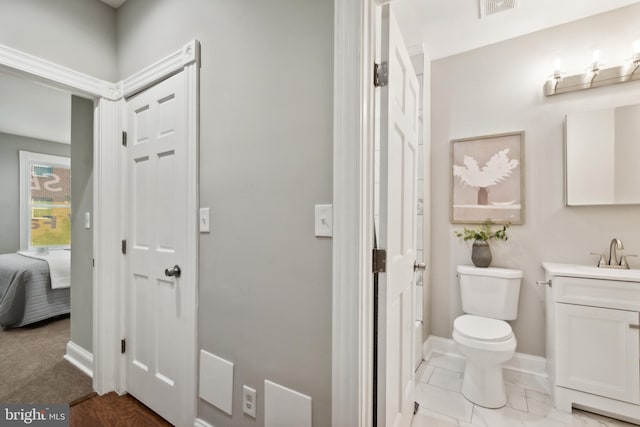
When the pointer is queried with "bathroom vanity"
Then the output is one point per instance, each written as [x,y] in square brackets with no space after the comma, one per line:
[593,338]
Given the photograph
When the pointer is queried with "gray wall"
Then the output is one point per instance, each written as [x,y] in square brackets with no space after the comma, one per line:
[499,89]
[79,34]
[10,145]
[81,238]
[265,160]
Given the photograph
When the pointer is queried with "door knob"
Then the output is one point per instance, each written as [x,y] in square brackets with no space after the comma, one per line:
[173,271]
[419,266]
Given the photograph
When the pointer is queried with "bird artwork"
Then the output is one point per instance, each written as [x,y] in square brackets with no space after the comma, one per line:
[496,170]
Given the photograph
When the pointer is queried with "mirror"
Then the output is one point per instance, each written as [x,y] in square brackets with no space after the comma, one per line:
[602,153]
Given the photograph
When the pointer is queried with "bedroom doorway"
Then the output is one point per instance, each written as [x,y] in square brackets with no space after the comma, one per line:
[44,134]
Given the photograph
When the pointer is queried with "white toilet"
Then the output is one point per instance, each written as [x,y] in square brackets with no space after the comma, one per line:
[489,297]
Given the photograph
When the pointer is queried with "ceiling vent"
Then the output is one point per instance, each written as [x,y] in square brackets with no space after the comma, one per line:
[491,7]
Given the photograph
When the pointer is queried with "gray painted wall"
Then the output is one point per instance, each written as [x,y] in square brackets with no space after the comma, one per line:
[497,89]
[265,160]
[81,238]
[10,145]
[79,34]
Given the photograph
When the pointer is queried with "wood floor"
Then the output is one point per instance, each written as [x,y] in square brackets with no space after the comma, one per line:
[112,410]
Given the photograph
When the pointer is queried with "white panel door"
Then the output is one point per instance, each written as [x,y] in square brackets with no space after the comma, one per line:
[597,351]
[398,166]
[157,230]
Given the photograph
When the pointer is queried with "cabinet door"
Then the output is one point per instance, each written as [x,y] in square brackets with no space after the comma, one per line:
[597,351]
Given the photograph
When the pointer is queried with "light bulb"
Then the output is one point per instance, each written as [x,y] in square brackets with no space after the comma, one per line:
[557,68]
[595,61]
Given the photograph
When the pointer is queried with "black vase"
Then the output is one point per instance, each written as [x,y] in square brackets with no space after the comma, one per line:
[481,254]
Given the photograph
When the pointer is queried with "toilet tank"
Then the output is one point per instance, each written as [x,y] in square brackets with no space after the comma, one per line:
[490,292]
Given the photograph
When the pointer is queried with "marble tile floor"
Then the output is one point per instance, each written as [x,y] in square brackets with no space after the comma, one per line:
[438,391]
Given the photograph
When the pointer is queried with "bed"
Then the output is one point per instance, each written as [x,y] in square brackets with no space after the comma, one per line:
[26,292]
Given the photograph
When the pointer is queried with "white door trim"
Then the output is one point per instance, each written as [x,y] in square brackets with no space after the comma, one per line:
[61,77]
[353,186]
[108,230]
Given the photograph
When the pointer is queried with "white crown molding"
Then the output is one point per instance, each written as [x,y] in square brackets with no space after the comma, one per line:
[80,358]
[44,71]
[167,66]
[520,362]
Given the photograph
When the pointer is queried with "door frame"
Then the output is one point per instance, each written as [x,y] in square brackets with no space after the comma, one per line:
[108,205]
[105,96]
[353,189]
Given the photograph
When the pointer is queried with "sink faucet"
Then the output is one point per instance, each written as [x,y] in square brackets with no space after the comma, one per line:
[616,245]
[614,262]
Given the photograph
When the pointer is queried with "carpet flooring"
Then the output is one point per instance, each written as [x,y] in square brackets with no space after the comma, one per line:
[32,368]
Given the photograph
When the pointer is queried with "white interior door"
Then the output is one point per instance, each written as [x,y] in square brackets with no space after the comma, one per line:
[397,229]
[158,309]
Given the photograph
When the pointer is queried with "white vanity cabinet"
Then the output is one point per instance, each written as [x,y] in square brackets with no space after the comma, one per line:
[593,338]
[597,351]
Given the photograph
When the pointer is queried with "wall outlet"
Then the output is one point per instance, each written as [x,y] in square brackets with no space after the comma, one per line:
[249,401]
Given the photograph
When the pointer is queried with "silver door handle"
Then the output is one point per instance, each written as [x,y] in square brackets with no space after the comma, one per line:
[545,283]
[419,266]
[173,271]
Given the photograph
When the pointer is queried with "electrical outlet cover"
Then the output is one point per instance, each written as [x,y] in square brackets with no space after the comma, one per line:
[249,401]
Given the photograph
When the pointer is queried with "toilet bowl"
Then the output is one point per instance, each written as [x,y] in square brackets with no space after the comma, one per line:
[486,344]
[489,297]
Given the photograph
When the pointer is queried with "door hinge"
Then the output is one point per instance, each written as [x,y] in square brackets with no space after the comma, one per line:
[379,261]
[124,247]
[123,345]
[124,138]
[380,74]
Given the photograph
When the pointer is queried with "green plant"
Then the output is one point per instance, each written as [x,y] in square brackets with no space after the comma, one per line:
[484,232]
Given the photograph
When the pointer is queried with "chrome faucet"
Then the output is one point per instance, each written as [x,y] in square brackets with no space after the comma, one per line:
[616,245]
[613,262]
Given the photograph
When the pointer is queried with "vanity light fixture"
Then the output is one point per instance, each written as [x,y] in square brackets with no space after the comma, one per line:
[595,76]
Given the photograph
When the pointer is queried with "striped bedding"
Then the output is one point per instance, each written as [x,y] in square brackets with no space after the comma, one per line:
[25,292]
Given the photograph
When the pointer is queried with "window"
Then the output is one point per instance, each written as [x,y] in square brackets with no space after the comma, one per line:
[45,201]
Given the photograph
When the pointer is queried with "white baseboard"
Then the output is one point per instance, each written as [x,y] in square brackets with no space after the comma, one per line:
[201,423]
[80,358]
[520,362]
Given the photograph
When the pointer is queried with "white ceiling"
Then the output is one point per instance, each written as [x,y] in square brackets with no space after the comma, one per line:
[33,110]
[114,3]
[447,27]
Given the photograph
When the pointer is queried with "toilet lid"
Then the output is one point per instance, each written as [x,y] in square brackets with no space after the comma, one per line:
[482,328]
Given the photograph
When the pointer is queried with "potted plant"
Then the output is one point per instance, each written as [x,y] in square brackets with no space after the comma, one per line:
[481,235]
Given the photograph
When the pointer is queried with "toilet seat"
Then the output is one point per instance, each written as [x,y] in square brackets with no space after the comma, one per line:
[482,329]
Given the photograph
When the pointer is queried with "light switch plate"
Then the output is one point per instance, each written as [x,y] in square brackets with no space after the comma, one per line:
[324,220]
[205,220]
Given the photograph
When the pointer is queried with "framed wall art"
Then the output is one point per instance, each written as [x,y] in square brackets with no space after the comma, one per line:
[487,179]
